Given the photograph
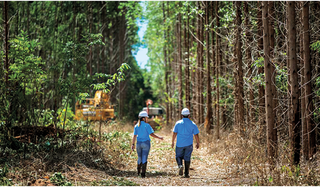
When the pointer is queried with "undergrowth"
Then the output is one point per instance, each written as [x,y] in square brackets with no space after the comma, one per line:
[246,158]
[115,181]
[27,162]
[60,180]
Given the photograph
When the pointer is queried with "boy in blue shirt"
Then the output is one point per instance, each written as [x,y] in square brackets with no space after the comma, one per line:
[184,130]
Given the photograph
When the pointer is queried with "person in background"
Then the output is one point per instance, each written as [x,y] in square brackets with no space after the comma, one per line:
[184,130]
[142,130]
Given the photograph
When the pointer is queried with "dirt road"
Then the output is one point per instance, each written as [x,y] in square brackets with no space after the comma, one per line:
[162,167]
[207,169]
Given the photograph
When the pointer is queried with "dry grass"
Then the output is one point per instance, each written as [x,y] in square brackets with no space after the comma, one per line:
[246,158]
[231,160]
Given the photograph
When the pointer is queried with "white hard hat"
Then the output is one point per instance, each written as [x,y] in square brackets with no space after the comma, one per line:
[185,112]
[143,114]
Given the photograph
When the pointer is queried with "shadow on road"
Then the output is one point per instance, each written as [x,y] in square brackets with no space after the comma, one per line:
[149,174]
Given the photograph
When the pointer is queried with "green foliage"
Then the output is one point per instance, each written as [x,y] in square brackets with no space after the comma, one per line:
[60,180]
[27,69]
[115,181]
[116,136]
[111,79]
[65,117]
[4,181]
[293,173]
[270,179]
[45,117]
[316,46]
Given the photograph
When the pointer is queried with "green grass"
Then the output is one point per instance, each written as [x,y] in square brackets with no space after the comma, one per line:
[115,181]
[196,158]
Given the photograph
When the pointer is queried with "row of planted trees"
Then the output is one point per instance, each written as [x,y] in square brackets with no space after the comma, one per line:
[52,51]
[252,66]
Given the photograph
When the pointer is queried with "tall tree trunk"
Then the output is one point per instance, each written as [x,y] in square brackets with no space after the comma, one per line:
[6,58]
[262,110]
[209,118]
[307,74]
[304,134]
[6,41]
[170,64]
[173,75]
[55,72]
[295,121]
[74,64]
[104,30]
[89,64]
[268,80]
[198,68]
[187,68]
[122,39]
[201,87]
[273,74]
[251,116]
[179,33]
[218,62]
[193,94]
[240,94]
[165,64]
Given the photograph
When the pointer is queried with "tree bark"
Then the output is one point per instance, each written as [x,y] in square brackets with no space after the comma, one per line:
[251,109]
[262,110]
[187,68]
[273,74]
[165,65]
[304,134]
[201,101]
[209,118]
[218,62]
[179,33]
[307,74]
[295,121]
[193,95]
[170,64]
[268,80]
[240,94]
[89,65]
[197,83]
[6,41]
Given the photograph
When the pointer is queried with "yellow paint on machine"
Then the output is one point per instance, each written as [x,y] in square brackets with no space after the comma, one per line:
[95,109]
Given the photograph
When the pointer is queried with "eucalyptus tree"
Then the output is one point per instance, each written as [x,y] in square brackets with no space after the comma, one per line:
[311,148]
[294,121]
[209,115]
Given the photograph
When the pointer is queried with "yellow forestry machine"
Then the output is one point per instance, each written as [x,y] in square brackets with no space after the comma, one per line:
[95,109]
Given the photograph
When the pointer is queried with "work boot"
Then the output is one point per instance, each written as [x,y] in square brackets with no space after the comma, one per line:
[139,168]
[187,167]
[180,170]
[180,166]
[144,169]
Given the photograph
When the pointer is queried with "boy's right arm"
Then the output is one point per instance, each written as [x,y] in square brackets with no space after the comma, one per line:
[174,135]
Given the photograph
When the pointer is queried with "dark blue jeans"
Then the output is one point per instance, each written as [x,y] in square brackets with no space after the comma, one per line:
[143,149]
[183,153]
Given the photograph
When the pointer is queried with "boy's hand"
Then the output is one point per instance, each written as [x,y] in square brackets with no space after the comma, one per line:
[198,145]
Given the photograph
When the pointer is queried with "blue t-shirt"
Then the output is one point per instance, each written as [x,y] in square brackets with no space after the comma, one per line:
[185,130]
[143,131]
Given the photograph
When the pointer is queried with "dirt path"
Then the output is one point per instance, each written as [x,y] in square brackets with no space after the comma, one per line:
[162,167]
[206,169]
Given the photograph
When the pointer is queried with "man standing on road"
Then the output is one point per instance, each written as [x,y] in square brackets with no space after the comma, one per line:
[184,130]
